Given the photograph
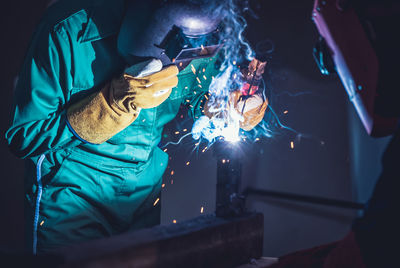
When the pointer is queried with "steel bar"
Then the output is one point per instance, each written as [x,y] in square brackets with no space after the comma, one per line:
[304,198]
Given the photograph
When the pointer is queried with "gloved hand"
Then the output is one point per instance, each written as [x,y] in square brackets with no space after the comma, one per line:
[253,111]
[143,85]
[103,114]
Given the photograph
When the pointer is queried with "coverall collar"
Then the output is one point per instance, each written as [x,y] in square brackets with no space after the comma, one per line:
[104,19]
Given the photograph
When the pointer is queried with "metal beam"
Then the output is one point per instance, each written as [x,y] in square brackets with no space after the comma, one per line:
[206,241]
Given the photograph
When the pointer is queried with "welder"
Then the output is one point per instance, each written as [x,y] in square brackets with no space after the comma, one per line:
[88,114]
[358,43]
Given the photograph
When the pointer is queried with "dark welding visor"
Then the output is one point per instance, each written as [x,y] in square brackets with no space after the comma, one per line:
[173,31]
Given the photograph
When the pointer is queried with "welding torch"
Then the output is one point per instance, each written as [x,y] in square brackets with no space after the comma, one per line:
[252,77]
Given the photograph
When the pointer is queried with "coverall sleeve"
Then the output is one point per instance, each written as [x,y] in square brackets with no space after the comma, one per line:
[38,120]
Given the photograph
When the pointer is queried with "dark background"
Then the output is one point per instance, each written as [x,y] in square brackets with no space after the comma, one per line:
[332,157]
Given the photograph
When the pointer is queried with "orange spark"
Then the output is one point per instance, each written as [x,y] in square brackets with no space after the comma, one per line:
[155,202]
[292,144]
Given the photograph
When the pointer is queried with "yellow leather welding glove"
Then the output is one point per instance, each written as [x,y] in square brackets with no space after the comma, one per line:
[253,112]
[103,114]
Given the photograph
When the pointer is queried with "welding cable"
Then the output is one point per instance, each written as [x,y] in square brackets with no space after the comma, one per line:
[175,143]
[305,198]
[38,197]
[278,121]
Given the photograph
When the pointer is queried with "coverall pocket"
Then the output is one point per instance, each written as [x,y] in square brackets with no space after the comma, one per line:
[72,173]
[52,165]
[92,178]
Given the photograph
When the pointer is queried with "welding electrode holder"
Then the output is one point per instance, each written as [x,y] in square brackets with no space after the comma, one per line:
[252,78]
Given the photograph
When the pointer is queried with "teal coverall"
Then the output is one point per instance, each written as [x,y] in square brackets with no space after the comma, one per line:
[77,191]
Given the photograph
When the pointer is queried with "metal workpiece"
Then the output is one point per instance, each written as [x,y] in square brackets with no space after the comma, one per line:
[205,241]
[229,201]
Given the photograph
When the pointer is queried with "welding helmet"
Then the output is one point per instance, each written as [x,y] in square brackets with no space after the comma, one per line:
[174,31]
[358,41]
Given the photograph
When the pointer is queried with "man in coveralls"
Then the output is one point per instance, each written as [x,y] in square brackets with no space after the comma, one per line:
[89,131]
